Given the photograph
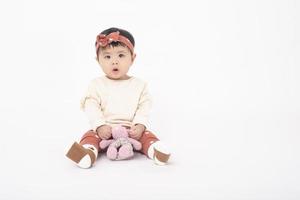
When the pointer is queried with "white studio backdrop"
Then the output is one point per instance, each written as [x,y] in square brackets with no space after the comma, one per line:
[224,76]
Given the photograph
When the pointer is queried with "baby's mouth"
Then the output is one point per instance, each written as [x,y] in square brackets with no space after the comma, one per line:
[115,70]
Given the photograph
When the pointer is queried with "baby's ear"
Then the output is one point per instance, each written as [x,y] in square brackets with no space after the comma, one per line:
[133,57]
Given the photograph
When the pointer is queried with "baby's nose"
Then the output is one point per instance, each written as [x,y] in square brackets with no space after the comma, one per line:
[115,62]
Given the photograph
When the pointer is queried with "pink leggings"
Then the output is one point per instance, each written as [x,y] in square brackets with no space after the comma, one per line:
[92,138]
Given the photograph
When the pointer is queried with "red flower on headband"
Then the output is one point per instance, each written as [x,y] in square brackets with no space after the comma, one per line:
[104,40]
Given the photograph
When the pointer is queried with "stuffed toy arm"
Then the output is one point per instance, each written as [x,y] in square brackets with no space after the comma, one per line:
[136,144]
[105,143]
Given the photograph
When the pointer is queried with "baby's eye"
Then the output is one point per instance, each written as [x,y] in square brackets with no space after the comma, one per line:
[121,55]
[107,57]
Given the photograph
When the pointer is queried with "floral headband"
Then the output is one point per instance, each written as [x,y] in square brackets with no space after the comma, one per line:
[103,40]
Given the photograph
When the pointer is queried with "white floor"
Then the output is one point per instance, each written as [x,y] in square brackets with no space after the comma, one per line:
[230,158]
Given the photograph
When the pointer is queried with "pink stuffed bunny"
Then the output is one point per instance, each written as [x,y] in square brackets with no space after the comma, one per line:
[121,146]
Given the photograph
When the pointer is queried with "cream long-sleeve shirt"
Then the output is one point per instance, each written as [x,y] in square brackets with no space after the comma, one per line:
[116,102]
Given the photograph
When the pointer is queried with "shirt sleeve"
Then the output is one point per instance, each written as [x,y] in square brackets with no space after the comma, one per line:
[144,107]
[91,105]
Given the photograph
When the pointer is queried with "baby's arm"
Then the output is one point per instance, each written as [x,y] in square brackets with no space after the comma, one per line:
[90,104]
[144,106]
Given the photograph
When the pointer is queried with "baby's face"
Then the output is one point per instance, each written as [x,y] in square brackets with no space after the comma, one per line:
[116,61]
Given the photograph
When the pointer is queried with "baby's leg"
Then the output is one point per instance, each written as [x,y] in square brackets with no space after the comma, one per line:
[85,153]
[154,149]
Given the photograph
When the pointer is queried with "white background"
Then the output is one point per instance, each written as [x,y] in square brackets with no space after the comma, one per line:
[224,76]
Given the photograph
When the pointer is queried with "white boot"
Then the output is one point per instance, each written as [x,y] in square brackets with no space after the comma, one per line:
[86,161]
[83,155]
[159,153]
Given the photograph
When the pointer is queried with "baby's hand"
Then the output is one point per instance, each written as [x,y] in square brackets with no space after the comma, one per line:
[104,132]
[136,131]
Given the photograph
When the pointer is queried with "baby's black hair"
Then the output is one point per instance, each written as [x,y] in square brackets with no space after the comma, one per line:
[122,32]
